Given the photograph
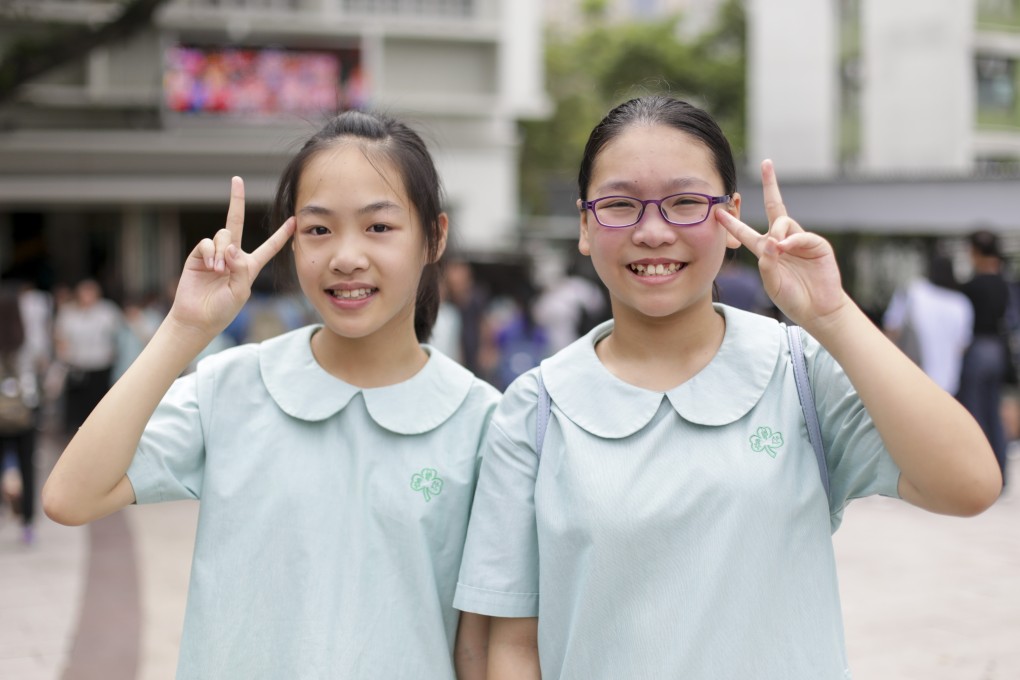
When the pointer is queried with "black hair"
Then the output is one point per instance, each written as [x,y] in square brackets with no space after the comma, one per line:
[985,243]
[404,148]
[660,110]
[940,271]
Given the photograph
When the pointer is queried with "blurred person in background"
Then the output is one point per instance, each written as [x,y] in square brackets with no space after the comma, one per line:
[37,317]
[19,397]
[570,307]
[940,316]
[141,319]
[446,332]
[738,285]
[985,364]
[85,332]
[520,342]
[459,281]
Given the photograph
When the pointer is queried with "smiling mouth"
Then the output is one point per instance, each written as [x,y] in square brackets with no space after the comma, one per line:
[657,269]
[356,294]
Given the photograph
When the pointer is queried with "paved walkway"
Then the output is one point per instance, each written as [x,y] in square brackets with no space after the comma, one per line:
[925,597]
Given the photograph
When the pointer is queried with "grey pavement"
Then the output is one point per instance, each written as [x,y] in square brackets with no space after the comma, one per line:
[925,597]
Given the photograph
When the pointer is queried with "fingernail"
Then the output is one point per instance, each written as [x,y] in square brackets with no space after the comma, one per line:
[231,251]
[209,264]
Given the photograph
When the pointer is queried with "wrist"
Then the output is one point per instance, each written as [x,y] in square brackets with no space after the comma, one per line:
[837,324]
[184,337]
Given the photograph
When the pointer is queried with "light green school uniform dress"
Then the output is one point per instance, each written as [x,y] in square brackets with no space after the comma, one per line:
[332,518]
[683,534]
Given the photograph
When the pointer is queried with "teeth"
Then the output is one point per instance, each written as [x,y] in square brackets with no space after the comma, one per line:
[656,269]
[357,293]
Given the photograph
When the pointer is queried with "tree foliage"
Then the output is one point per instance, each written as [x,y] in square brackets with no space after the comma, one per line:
[604,64]
[36,54]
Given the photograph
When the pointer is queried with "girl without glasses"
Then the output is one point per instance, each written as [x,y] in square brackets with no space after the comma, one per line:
[675,523]
[335,464]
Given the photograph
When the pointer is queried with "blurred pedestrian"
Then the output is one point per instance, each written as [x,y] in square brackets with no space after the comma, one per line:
[86,332]
[934,312]
[19,399]
[37,316]
[738,285]
[141,319]
[334,464]
[446,332]
[520,341]
[656,500]
[569,307]
[986,362]
[472,303]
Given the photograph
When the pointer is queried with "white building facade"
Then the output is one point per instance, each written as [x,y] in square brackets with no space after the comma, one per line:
[889,116]
[116,165]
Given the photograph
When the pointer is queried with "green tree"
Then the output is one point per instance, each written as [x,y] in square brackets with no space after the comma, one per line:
[606,63]
[38,53]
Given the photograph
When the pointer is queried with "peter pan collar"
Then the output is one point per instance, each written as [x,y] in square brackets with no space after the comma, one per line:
[303,389]
[721,393]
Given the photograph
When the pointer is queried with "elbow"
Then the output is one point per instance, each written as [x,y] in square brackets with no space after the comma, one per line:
[58,509]
[979,495]
[984,498]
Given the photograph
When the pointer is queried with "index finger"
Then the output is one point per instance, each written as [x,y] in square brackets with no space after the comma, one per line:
[274,244]
[235,212]
[774,207]
[748,236]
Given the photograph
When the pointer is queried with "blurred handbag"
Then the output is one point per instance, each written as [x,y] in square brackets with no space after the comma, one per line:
[15,413]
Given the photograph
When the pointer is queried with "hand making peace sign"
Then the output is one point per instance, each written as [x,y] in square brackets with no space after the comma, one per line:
[218,275]
[798,267]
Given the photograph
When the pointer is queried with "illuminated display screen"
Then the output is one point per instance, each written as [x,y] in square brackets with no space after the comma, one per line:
[261,82]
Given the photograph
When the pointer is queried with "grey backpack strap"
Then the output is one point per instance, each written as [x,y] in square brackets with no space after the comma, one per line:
[542,415]
[807,402]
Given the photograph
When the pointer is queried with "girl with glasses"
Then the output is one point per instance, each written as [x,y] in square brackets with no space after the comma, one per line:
[671,521]
[335,464]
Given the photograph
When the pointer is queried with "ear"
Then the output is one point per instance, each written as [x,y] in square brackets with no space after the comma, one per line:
[734,209]
[583,244]
[444,230]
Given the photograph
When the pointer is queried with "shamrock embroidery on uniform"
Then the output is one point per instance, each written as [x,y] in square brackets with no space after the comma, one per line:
[766,440]
[427,482]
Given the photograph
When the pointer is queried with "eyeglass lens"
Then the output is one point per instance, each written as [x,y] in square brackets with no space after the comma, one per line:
[621,211]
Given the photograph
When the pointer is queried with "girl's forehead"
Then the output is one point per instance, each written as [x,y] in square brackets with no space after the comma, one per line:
[646,154]
[353,166]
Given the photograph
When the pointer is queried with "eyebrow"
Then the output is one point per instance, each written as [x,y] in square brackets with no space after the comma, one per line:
[678,184]
[377,206]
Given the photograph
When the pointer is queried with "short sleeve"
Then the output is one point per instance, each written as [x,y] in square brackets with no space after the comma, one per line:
[859,463]
[170,460]
[499,572]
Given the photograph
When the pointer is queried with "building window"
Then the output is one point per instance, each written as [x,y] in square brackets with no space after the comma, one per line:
[421,8]
[997,91]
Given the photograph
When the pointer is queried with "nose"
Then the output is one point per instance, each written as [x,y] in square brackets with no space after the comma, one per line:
[653,230]
[348,257]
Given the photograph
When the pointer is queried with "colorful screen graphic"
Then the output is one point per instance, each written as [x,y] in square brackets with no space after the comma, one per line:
[260,82]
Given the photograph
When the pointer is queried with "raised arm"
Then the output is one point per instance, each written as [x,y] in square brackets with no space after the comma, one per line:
[88,481]
[945,461]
